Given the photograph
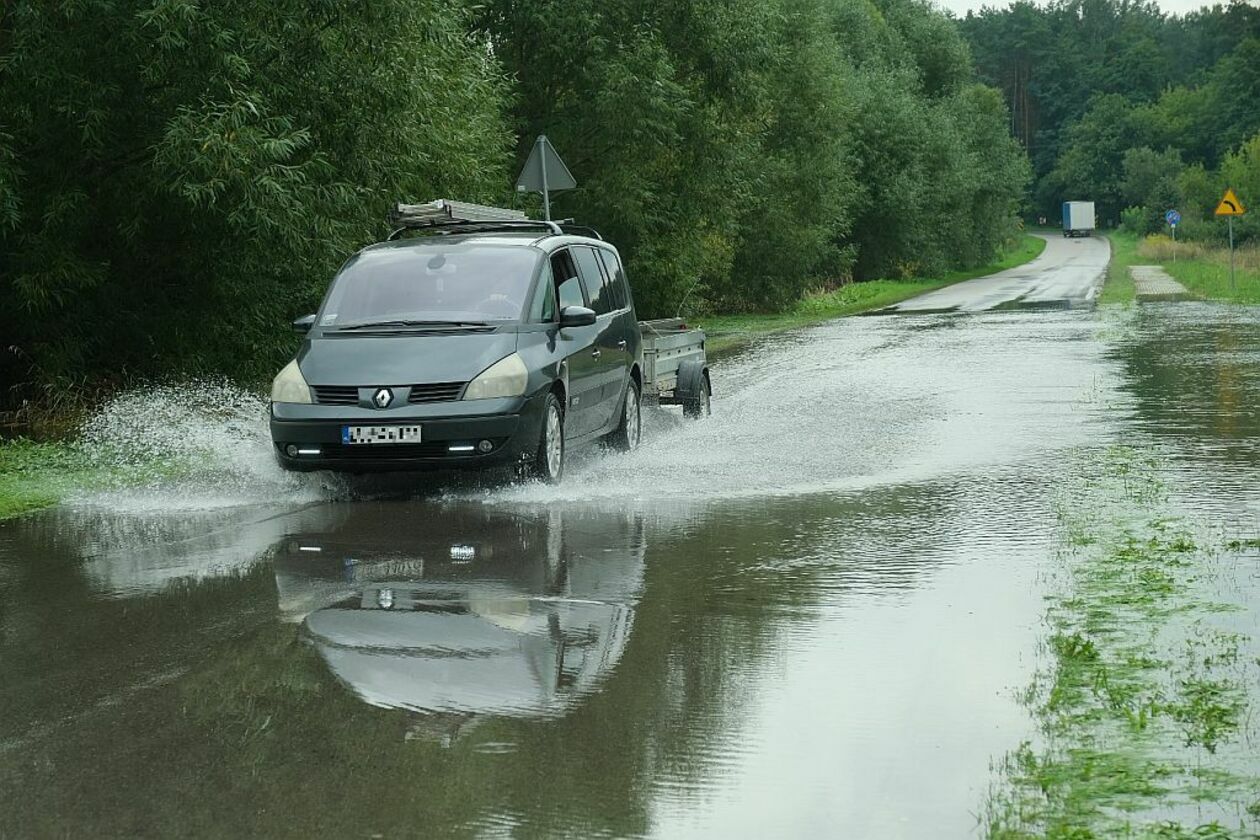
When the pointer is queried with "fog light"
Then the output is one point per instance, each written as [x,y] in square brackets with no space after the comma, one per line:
[308,451]
[459,447]
[485,446]
[291,451]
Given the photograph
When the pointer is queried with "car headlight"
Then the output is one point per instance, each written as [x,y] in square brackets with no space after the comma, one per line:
[289,386]
[505,378]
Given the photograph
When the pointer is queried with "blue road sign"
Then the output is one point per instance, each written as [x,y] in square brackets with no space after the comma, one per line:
[1172,217]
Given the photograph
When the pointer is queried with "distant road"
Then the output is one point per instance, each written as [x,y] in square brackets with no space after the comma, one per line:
[1068,274]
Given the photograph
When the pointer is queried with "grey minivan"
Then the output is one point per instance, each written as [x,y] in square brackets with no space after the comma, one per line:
[479,344]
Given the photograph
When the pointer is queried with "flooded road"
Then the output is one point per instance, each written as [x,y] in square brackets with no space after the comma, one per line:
[810,615]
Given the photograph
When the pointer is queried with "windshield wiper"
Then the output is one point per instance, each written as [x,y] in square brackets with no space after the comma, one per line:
[404,324]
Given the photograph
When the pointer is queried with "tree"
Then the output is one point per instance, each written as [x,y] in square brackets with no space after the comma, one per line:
[190,175]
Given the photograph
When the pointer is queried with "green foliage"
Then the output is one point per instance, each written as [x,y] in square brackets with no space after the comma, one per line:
[1091,81]
[183,177]
[189,175]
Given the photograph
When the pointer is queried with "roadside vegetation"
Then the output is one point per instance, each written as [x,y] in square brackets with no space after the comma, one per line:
[1202,268]
[35,475]
[1146,703]
[39,474]
[728,331]
[180,179]
[1137,110]
[1119,287]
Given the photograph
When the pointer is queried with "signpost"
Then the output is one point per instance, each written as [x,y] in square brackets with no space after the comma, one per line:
[1230,207]
[1173,217]
[545,172]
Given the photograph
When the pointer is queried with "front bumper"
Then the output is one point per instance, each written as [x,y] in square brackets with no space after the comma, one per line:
[513,427]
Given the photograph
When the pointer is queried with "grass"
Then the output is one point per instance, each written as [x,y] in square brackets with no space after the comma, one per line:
[1202,269]
[1143,704]
[36,475]
[1118,287]
[728,331]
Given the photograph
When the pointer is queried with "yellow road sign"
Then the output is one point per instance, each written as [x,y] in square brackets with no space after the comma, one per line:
[1230,205]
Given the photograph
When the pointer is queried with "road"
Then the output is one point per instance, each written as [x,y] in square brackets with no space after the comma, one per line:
[811,615]
[1066,275]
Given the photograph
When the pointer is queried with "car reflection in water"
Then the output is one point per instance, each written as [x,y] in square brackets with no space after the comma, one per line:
[476,612]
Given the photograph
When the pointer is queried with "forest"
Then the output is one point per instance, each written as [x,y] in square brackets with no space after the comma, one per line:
[180,178]
[1135,109]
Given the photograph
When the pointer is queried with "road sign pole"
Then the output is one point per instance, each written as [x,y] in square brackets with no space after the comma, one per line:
[1231,253]
[1174,227]
[546,194]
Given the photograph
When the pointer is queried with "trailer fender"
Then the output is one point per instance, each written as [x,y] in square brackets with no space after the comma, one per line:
[691,374]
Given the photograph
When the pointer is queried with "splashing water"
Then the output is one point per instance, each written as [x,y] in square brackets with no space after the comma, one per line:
[840,407]
[190,446]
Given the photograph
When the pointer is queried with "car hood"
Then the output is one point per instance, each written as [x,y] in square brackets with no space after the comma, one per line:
[364,360]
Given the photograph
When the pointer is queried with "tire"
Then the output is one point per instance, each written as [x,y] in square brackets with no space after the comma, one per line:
[701,404]
[547,464]
[629,432]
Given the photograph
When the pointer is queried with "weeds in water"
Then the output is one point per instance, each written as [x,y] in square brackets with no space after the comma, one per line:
[1133,733]
[1208,711]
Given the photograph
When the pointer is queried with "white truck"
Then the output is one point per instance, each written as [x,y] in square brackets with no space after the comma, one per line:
[1078,218]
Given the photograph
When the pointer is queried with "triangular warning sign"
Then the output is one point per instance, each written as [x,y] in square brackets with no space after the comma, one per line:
[1230,205]
[544,170]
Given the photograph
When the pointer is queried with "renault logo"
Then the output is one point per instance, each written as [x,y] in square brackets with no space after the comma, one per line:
[383,397]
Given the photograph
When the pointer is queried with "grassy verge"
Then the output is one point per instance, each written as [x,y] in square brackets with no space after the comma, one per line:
[1202,269]
[1118,287]
[728,331]
[1146,706]
[36,475]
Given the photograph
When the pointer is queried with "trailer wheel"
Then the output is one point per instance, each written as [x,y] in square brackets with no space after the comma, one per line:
[700,404]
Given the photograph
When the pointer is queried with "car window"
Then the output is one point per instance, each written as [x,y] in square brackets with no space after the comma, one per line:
[543,308]
[617,279]
[569,289]
[593,278]
[442,282]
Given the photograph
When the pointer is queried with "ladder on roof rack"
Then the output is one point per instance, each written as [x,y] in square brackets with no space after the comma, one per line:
[446,215]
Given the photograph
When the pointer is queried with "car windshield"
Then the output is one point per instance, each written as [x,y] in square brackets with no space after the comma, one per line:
[456,284]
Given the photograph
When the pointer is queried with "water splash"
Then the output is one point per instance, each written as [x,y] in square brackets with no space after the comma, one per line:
[192,445]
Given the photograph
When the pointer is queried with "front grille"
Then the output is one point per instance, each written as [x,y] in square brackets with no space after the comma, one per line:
[436,392]
[336,395]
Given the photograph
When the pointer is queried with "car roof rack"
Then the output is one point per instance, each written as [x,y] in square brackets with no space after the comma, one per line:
[446,216]
[567,226]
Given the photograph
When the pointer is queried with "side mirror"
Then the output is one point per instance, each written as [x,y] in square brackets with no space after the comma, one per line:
[304,324]
[576,316]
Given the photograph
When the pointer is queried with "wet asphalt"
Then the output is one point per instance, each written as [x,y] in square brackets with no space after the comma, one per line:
[809,615]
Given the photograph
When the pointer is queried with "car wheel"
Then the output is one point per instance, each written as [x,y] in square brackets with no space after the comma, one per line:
[629,431]
[548,462]
[701,404]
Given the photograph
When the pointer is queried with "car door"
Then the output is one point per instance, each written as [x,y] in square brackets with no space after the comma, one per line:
[610,344]
[578,345]
[625,324]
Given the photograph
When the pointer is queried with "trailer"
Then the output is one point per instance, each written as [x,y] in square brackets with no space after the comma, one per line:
[1078,218]
[675,367]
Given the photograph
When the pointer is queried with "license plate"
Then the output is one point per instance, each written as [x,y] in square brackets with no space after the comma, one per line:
[380,434]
